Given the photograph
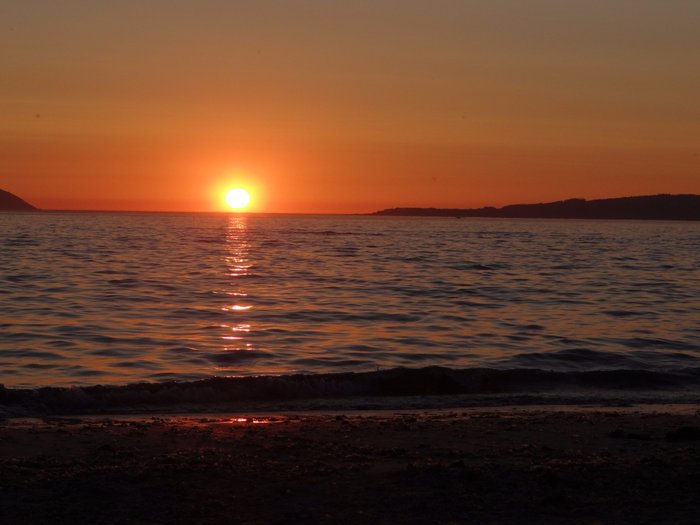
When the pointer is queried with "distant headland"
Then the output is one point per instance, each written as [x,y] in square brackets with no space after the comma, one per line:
[647,207]
[11,202]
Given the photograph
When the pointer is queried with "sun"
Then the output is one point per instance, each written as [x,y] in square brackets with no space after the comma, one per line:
[238,198]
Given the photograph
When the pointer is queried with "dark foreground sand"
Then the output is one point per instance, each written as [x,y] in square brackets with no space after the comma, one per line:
[497,465]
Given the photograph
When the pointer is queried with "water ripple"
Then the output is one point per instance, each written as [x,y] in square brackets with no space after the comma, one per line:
[116,298]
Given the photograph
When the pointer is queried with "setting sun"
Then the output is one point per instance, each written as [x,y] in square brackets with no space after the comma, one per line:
[238,198]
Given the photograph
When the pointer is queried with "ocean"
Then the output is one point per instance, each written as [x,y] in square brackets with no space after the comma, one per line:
[121,298]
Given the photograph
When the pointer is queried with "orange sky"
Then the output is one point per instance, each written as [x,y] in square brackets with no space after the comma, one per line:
[320,106]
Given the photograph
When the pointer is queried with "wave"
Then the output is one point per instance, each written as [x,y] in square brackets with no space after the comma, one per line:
[582,359]
[216,392]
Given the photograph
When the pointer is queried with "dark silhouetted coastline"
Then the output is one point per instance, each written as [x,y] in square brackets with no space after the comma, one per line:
[11,202]
[647,207]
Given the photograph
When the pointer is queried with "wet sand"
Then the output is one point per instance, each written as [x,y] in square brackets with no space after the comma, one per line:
[568,465]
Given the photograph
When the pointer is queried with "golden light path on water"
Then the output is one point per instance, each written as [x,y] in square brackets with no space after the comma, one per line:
[237,267]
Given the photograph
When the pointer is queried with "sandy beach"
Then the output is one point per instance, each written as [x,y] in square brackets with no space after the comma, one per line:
[528,464]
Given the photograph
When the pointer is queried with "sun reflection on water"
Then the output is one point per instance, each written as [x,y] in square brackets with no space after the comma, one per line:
[235,307]
[237,266]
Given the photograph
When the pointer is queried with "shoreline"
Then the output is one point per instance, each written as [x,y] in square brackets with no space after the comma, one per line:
[672,402]
[507,464]
[256,413]
[410,388]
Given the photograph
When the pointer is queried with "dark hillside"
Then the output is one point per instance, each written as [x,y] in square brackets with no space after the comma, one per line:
[10,202]
[652,207]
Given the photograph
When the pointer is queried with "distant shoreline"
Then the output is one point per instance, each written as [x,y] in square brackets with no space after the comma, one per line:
[647,207]
[682,207]
[11,202]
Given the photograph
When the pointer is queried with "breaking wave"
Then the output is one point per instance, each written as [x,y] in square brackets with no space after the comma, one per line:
[219,392]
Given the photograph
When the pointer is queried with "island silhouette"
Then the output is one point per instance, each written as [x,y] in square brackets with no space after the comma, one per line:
[11,202]
[645,207]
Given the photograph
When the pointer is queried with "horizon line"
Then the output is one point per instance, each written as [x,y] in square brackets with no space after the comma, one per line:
[233,212]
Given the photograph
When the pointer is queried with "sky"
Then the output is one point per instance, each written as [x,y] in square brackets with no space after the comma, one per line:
[346,107]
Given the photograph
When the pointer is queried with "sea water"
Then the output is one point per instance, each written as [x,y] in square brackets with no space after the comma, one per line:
[117,298]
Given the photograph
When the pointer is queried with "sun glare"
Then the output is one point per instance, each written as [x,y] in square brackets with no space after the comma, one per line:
[238,198]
